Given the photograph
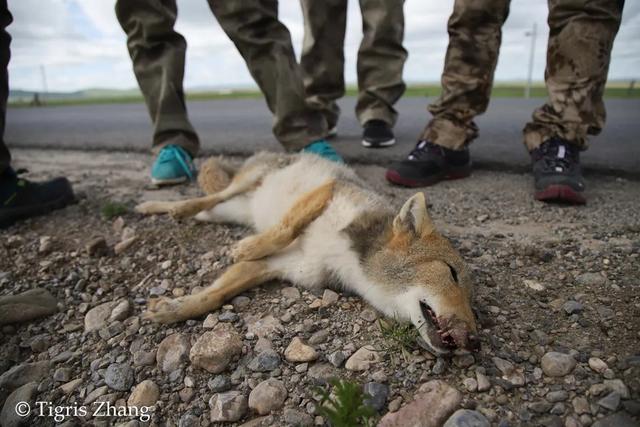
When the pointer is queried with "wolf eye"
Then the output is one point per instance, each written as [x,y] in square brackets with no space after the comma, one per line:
[453,273]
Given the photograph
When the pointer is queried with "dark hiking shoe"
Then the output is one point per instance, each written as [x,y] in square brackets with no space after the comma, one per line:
[557,173]
[21,199]
[377,134]
[428,164]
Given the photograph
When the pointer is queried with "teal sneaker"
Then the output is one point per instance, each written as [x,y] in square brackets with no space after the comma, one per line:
[323,149]
[172,166]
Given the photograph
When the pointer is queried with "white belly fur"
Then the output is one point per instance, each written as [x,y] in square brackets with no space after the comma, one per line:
[322,254]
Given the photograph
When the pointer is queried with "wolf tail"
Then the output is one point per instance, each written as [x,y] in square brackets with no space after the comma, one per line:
[215,175]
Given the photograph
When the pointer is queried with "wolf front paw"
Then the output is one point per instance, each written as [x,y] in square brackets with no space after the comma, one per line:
[165,310]
[148,208]
[247,249]
[184,210]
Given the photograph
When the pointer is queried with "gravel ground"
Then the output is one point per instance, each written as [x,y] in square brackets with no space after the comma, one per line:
[556,292]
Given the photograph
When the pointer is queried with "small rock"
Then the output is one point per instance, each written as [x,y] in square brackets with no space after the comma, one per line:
[464,360]
[532,284]
[267,396]
[227,407]
[46,245]
[321,373]
[368,314]
[618,386]
[219,383]
[337,358]
[291,293]
[329,297]
[439,367]
[467,418]
[40,343]
[470,384]
[123,245]
[297,351]
[71,386]
[434,403]
[265,361]
[62,375]
[240,302]
[295,418]
[215,349]
[210,321]
[378,394]
[319,337]
[95,394]
[264,327]
[557,396]
[571,307]
[611,401]
[591,279]
[9,416]
[362,359]
[119,377]
[509,372]
[598,365]
[120,311]
[97,246]
[556,364]
[98,316]
[540,406]
[580,405]
[172,352]
[144,358]
[228,316]
[22,374]
[619,419]
[166,265]
[144,394]
[483,382]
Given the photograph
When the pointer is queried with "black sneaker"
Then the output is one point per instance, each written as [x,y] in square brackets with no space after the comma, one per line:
[428,164]
[21,199]
[377,134]
[557,173]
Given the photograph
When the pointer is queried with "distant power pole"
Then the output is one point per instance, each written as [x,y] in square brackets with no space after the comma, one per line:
[533,34]
[44,80]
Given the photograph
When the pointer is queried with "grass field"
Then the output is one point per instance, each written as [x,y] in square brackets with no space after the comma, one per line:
[614,90]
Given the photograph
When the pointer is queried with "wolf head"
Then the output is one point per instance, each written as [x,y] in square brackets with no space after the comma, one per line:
[426,279]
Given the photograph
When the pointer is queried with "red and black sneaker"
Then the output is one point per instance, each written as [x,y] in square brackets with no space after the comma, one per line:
[428,164]
[557,173]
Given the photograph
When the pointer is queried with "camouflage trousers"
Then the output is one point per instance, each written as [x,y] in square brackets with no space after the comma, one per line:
[381,57]
[158,55]
[578,53]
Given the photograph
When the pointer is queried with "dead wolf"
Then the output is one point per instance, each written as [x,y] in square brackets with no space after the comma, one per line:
[319,224]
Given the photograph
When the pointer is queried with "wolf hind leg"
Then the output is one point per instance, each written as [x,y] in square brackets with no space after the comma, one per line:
[305,210]
[233,211]
[236,279]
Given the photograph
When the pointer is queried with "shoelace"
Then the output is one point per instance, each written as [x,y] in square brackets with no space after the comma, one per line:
[170,152]
[557,157]
[422,148]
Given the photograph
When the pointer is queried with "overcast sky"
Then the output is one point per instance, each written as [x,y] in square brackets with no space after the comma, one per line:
[81,45]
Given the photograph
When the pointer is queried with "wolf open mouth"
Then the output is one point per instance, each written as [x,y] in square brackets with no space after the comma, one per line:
[438,338]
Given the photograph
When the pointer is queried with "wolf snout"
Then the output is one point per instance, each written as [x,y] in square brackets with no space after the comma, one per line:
[466,340]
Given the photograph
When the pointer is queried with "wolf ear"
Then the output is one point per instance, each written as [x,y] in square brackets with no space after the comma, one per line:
[413,217]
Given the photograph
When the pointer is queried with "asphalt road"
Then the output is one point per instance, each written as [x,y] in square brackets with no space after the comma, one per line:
[242,126]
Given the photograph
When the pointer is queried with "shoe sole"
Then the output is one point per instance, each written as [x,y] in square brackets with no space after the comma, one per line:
[383,144]
[395,178]
[560,194]
[173,181]
[14,215]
